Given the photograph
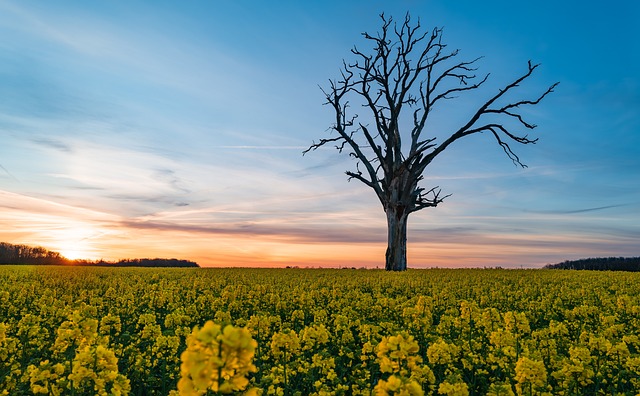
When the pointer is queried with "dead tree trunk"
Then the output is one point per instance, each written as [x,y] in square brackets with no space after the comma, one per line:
[396,257]
[411,70]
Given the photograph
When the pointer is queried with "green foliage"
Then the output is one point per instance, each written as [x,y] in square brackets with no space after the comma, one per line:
[67,330]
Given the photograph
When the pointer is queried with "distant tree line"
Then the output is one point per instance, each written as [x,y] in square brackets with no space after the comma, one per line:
[600,264]
[145,262]
[24,254]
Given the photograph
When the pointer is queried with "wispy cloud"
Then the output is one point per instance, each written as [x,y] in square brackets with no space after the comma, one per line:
[243,147]
[576,211]
[53,143]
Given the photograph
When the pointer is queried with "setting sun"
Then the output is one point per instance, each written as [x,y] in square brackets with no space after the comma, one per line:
[75,243]
[74,254]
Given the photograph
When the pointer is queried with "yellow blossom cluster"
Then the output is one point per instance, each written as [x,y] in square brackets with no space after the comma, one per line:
[135,331]
[217,359]
[398,356]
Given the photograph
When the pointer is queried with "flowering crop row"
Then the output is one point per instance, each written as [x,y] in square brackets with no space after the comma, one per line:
[123,331]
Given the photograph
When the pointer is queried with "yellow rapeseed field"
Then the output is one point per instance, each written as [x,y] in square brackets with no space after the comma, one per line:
[133,331]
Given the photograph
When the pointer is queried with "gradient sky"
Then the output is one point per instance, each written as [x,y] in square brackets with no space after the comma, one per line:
[175,129]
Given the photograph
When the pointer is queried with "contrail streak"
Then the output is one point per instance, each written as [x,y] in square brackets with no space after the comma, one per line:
[8,173]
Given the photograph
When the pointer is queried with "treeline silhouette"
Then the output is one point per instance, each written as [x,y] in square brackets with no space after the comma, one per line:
[24,254]
[145,262]
[600,264]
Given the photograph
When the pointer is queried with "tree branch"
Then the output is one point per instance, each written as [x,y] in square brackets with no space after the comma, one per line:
[427,199]
[469,128]
[408,67]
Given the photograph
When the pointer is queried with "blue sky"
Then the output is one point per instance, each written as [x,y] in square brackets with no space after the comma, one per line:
[175,129]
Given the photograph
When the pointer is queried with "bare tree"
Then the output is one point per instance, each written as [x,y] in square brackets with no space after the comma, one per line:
[399,84]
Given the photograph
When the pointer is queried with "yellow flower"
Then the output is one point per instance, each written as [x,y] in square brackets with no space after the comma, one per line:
[398,354]
[208,333]
[576,370]
[500,390]
[216,359]
[397,386]
[441,352]
[516,322]
[530,374]
[285,343]
[455,389]
[95,367]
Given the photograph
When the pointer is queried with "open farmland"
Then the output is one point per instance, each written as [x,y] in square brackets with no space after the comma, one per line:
[441,331]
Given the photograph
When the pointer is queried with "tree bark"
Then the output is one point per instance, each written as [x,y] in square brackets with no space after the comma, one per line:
[396,257]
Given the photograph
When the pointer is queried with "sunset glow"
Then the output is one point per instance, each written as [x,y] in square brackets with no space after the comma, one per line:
[134,130]
[75,244]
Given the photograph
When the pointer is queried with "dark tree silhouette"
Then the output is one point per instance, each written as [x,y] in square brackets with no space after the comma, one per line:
[399,83]
[600,264]
[24,254]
